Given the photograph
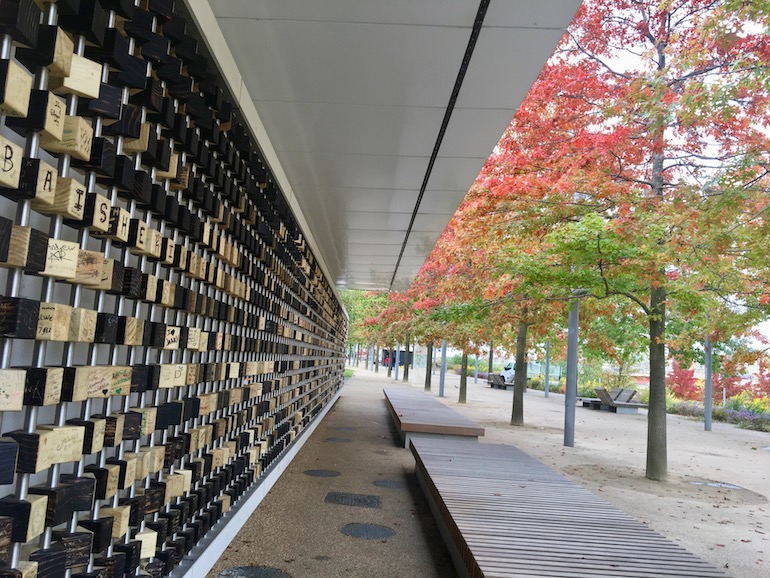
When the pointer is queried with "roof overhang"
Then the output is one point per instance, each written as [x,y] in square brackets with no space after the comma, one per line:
[352,104]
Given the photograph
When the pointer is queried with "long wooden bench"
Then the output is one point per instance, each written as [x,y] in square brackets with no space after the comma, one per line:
[497,381]
[418,414]
[503,513]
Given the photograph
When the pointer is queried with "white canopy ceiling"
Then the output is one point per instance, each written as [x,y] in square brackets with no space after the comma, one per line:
[349,98]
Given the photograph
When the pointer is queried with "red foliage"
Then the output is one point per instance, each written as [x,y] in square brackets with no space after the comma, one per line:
[734,384]
[683,384]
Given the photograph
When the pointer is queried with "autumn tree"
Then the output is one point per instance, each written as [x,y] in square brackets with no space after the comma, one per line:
[639,159]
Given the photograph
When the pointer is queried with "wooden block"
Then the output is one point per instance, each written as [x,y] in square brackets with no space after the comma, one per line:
[45,114]
[131,331]
[90,381]
[127,472]
[12,383]
[111,567]
[89,270]
[172,375]
[61,260]
[149,418]
[11,156]
[21,20]
[173,168]
[45,180]
[140,144]
[171,337]
[43,385]
[15,86]
[119,227]
[113,433]
[9,453]
[106,331]
[53,322]
[132,425]
[93,439]
[141,463]
[148,540]
[51,561]
[107,480]
[101,529]
[28,569]
[70,199]
[188,477]
[76,140]
[121,381]
[120,517]
[174,486]
[156,457]
[28,516]
[60,444]
[97,213]
[77,546]
[53,50]
[84,78]
[82,327]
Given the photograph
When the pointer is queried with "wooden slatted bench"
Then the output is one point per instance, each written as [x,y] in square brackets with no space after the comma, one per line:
[502,513]
[498,382]
[418,414]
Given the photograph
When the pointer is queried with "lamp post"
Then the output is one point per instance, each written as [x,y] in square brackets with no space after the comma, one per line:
[570,399]
[443,369]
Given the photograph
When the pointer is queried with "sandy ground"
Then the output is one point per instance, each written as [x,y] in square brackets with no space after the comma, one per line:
[714,503]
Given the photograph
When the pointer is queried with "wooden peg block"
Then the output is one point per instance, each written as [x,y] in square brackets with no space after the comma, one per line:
[53,322]
[149,419]
[155,459]
[143,460]
[120,517]
[89,269]
[113,434]
[106,330]
[90,381]
[112,276]
[148,540]
[45,180]
[82,327]
[9,453]
[172,375]
[28,516]
[93,439]
[28,569]
[43,385]
[61,260]
[84,78]
[77,138]
[107,480]
[60,444]
[12,382]
[132,425]
[77,545]
[97,213]
[101,529]
[18,317]
[15,86]
[70,199]
[119,226]
[127,472]
[140,144]
[111,567]
[11,156]
[53,50]
[20,19]
[45,114]
[131,331]
[51,561]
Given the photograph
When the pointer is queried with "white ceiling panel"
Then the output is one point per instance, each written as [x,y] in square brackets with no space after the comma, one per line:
[348,98]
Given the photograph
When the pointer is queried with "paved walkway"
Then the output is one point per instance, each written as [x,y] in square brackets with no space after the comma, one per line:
[297,529]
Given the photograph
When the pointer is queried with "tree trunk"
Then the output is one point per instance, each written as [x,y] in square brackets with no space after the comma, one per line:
[390,362]
[406,360]
[357,352]
[428,365]
[491,358]
[657,459]
[520,373]
[463,379]
[376,359]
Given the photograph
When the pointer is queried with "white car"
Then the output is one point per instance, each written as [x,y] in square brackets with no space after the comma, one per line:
[507,372]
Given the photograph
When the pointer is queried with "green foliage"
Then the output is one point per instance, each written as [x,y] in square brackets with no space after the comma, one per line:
[348,373]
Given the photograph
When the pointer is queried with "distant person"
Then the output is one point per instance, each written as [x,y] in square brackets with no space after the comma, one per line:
[387,361]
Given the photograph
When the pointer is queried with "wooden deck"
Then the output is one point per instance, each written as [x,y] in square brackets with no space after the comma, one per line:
[418,413]
[502,513]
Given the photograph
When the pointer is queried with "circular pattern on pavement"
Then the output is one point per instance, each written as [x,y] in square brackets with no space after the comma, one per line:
[322,473]
[367,531]
[390,484]
[253,572]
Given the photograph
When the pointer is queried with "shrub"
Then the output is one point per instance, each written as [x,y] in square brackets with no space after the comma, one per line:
[348,372]
[536,383]
[748,419]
